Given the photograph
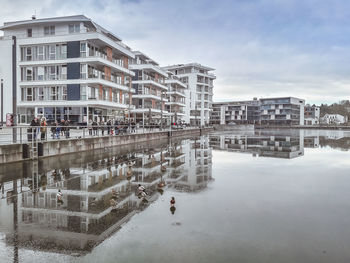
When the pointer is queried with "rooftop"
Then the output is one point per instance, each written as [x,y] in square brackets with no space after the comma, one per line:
[62,19]
[196,65]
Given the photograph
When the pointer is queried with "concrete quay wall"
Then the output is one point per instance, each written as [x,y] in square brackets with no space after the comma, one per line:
[20,152]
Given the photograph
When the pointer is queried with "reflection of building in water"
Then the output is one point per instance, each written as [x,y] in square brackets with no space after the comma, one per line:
[260,145]
[87,216]
[311,142]
[198,165]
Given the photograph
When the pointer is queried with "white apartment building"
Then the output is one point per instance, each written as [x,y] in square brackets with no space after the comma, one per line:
[150,90]
[333,119]
[64,68]
[199,91]
[176,98]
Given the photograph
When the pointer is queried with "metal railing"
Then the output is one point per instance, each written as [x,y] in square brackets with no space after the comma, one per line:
[28,134]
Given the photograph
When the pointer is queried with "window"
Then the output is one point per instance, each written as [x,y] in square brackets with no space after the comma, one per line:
[49,30]
[64,72]
[92,93]
[54,93]
[83,71]
[83,50]
[41,93]
[40,52]
[64,51]
[29,54]
[52,73]
[41,73]
[83,92]
[29,73]
[74,28]
[30,94]
[52,52]
[64,93]
[29,32]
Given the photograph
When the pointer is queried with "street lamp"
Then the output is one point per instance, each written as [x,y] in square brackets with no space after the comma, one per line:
[2,102]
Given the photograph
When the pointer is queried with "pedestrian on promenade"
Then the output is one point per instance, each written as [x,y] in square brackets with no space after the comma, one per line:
[67,129]
[90,127]
[109,124]
[102,127]
[95,128]
[43,128]
[58,130]
[116,127]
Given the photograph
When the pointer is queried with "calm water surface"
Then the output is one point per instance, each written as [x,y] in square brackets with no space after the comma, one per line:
[271,196]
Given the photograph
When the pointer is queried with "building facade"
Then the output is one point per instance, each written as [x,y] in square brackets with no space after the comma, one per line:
[236,112]
[311,115]
[150,90]
[333,119]
[65,68]
[267,111]
[176,98]
[199,91]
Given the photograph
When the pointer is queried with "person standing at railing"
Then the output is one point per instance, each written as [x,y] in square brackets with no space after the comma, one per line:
[133,127]
[67,124]
[109,124]
[90,127]
[58,130]
[116,127]
[95,127]
[102,127]
[43,128]
[63,129]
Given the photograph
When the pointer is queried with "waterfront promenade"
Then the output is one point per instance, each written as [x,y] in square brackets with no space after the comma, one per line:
[81,140]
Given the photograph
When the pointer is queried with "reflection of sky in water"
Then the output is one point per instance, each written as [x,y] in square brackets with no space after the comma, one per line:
[261,209]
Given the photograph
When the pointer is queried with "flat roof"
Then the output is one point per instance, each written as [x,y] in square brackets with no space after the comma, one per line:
[145,57]
[197,65]
[61,19]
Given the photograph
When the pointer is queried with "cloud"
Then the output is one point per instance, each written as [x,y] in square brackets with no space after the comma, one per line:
[259,48]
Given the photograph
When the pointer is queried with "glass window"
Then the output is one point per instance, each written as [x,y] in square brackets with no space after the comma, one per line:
[40,52]
[29,73]
[83,50]
[30,94]
[41,93]
[41,73]
[54,93]
[64,72]
[74,28]
[83,71]
[52,52]
[64,51]
[49,30]
[29,32]
[29,53]
[52,73]
[64,92]
[83,92]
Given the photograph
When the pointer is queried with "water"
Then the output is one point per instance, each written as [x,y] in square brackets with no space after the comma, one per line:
[271,196]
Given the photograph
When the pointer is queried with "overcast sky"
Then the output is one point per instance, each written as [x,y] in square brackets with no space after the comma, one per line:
[259,48]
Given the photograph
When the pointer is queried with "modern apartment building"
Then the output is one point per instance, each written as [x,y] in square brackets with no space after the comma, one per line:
[199,92]
[64,68]
[150,90]
[267,111]
[237,112]
[176,98]
[282,111]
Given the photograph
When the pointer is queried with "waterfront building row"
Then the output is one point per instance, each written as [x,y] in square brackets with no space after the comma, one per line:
[265,111]
[72,68]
